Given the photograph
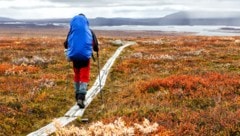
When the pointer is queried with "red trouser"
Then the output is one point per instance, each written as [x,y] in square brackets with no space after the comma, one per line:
[81,71]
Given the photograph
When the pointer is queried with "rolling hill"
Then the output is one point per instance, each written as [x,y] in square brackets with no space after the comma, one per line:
[178,18]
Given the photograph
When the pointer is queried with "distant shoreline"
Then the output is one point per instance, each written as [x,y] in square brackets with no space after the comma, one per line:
[19,30]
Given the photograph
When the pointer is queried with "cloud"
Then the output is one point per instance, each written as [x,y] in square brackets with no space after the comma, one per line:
[108,8]
[30,4]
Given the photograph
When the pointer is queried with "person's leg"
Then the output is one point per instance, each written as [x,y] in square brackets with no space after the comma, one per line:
[84,79]
[85,72]
[76,81]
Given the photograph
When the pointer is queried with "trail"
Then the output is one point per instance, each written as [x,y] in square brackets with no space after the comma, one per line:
[74,111]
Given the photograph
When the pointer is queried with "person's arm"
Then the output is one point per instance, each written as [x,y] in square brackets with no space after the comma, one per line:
[95,42]
[66,45]
[66,41]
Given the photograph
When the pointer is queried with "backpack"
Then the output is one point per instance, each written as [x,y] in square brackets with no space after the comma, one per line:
[79,40]
[94,42]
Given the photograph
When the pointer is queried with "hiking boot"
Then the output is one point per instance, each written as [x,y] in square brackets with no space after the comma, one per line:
[80,100]
[80,103]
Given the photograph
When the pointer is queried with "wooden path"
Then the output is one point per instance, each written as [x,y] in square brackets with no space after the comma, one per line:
[75,112]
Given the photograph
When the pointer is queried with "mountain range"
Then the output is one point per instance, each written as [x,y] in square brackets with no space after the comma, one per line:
[178,18]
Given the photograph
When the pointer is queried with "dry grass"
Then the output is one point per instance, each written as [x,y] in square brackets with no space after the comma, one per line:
[118,128]
[186,85]
[189,85]
[36,81]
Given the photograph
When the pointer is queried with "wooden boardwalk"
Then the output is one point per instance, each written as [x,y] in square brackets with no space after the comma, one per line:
[74,111]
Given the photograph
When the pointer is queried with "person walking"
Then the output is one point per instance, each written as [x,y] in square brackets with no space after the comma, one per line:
[78,46]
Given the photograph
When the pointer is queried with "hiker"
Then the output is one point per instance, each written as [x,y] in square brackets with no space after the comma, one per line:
[78,48]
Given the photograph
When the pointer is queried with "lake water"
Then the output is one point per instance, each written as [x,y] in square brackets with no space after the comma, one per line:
[197,30]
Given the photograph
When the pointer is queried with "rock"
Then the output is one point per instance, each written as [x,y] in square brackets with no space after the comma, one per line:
[137,55]
[237,42]
[195,53]
[159,42]
[117,43]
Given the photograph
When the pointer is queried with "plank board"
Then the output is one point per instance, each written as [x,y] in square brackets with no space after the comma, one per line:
[75,111]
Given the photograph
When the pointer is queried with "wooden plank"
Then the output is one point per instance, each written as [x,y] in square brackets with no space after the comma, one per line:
[50,128]
[75,111]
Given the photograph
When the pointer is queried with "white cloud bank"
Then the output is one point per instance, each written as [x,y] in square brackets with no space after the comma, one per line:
[36,9]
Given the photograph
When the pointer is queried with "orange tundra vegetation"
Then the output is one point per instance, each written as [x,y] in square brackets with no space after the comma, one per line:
[35,81]
[179,85]
[189,85]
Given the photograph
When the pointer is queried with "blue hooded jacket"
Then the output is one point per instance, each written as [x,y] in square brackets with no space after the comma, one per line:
[79,39]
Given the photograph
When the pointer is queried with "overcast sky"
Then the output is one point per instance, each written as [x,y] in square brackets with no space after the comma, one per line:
[37,9]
